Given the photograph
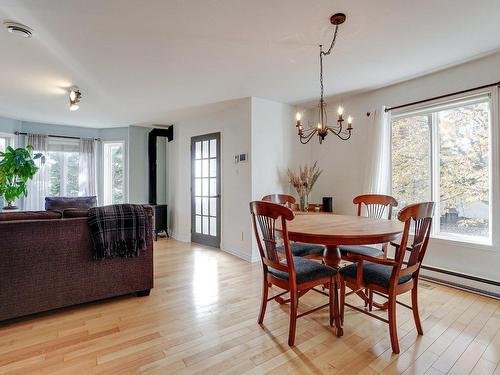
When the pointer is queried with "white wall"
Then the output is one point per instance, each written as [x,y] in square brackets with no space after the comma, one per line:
[234,125]
[275,148]
[345,163]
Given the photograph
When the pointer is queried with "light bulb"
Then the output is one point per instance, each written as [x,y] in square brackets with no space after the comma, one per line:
[298,116]
[340,111]
[349,120]
[74,107]
[72,95]
[319,126]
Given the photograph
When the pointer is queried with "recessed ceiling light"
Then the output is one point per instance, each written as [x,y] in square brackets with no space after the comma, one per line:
[18,29]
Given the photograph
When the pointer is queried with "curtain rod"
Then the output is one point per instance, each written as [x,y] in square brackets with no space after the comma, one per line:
[58,136]
[442,96]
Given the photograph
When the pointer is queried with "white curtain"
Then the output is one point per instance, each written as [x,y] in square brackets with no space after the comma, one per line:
[379,170]
[38,186]
[86,173]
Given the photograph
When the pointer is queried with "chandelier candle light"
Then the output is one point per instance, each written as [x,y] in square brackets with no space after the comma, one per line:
[322,128]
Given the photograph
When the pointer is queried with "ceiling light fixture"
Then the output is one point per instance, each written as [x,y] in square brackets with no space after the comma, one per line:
[18,29]
[322,128]
[74,98]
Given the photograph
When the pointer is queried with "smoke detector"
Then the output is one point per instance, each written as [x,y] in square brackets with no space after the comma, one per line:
[18,29]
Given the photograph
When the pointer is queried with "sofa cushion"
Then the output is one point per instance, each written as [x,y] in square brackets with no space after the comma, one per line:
[75,212]
[61,203]
[29,215]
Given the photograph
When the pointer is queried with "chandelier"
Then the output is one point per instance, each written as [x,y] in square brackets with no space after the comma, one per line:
[322,128]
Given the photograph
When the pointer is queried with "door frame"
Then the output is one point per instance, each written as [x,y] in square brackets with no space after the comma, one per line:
[213,241]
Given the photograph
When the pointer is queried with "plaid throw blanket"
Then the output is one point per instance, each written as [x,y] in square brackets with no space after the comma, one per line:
[118,230]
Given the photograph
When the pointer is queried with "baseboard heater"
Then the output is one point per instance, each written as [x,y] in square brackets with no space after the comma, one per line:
[474,279]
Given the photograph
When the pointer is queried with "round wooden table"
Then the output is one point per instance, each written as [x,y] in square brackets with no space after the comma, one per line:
[333,230]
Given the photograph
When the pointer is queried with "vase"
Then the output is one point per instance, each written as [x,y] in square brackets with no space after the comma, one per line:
[304,202]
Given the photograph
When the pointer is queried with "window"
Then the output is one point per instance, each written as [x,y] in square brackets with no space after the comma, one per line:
[63,167]
[6,140]
[114,172]
[442,153]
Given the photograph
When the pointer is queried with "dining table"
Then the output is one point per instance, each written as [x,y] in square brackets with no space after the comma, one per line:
[332,230]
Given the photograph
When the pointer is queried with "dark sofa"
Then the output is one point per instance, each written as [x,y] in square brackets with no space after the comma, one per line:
[46,263]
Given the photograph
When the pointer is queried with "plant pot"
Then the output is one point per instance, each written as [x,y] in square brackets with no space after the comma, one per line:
[10,207]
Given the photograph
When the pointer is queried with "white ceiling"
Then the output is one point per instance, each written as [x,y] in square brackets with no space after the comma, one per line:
[145,62]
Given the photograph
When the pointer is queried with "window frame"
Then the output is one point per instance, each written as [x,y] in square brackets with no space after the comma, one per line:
[107,177]
[10,138]
[431,108]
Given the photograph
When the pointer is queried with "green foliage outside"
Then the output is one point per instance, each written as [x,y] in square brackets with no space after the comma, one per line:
[463,165]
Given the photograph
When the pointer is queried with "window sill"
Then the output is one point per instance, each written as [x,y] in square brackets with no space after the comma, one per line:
[464,241]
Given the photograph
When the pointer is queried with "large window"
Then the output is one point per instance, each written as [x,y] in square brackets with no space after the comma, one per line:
[114,172]
[63,167]
[442,153]
[5,141]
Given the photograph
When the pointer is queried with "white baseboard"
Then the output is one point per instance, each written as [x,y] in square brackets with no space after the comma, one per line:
[233,250]
[182,237]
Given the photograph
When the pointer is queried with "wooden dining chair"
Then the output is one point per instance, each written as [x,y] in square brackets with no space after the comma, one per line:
[375,206]
[295,275]
[392,277]
[299,249]
[283,199]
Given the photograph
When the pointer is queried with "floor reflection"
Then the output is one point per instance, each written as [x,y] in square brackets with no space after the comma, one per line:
[205,280]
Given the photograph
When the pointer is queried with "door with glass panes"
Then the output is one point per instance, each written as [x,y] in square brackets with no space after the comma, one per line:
[205,189]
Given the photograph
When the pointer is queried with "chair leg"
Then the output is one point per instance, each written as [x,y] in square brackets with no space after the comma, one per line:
[414,308]
[366,294]
[370,300]
[293,317]
[342,299]
[331,300]
[393,329]
[263,305]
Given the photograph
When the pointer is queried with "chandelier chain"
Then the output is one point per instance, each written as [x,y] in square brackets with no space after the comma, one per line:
[325,53]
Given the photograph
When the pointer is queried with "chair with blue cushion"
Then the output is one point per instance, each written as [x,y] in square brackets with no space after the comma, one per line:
[299,249]
[392,277]
[295,275]
[375,206]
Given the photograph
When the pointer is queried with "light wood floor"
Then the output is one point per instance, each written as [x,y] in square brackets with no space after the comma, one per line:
[201,319]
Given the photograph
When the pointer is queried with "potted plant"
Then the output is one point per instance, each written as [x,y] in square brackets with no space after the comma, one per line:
[303,182]
[17,167]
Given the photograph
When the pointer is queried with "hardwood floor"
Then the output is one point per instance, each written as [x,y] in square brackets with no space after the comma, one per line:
[201,318]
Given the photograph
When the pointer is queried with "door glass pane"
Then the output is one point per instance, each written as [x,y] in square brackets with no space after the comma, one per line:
[205,224]
[198,206]
[204,152]
[197,168]
[204,190]
[213,206]
[213,226]
[204,169]
[205,206]
[213,187]
[464,169]
[197,153]
[213,148]
[213,167]
[198,224]
[411,171]
[197,184]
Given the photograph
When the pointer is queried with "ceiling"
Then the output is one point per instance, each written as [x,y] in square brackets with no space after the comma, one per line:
[156,61]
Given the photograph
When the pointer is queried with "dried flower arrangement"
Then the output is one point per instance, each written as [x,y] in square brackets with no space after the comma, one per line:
[304,181]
